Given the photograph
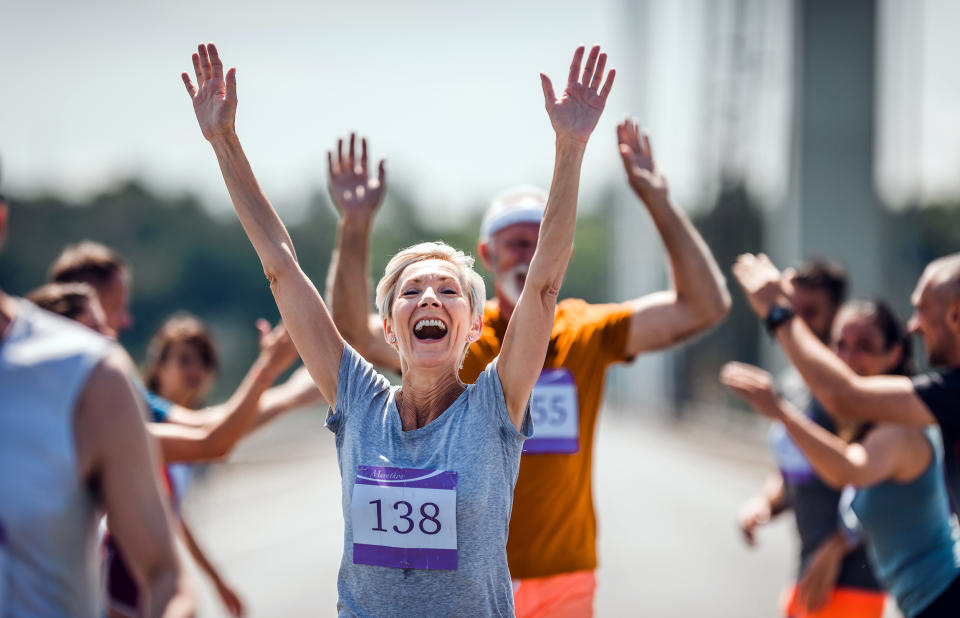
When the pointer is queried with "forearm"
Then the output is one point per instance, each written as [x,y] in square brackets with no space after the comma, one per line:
[697,279]
[348,282]
[774,492]
[829,378]
[257,216]
[197,553]
[826,452]
[194,418]
[298,391]
[239,413]
[559,218]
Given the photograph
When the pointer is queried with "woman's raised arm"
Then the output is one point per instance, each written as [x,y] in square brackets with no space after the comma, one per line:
[305,315]
[573,116]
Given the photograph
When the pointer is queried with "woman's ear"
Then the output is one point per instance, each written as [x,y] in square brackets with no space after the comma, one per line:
[475,329]
[388,333]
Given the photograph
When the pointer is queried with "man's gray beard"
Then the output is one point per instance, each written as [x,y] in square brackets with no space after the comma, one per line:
[508,282]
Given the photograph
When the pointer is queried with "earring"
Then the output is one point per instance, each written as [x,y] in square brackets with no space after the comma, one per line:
[393,339]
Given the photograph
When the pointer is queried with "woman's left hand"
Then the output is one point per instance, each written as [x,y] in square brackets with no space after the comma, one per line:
[576,112]
[753,385]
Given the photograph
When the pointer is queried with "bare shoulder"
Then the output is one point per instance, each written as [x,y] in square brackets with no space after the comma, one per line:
[907,444]
[111,378]
[108,408]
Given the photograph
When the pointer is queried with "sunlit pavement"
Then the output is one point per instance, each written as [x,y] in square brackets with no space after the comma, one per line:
[667,494]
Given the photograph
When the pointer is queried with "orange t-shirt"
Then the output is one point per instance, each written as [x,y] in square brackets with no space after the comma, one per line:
[553,528]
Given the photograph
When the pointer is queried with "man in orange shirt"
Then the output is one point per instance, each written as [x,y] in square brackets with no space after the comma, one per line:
[552,543]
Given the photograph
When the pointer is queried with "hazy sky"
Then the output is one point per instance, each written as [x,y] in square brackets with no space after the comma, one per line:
[448,92]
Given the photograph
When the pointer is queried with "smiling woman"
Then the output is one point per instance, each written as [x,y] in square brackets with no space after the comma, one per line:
[440,278]
[428,468]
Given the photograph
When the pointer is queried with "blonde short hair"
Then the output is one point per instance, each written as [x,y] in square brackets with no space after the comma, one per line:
[463,263]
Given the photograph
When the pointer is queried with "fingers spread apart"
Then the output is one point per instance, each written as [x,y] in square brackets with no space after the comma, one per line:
[207,67]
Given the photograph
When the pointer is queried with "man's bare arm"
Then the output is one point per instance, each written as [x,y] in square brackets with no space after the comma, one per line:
[116,455]
[699,298]
[357,196]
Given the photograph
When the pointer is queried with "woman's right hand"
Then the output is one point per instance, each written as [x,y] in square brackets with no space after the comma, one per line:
[215,97]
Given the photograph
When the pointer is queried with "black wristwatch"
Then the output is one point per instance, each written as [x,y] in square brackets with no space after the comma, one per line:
[778,316]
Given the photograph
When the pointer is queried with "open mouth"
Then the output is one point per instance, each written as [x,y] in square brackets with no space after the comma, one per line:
[429,329]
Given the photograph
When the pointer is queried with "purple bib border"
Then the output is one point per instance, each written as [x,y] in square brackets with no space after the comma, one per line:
[564,446]
[405,557]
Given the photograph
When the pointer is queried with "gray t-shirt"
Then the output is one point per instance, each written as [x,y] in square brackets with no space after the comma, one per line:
[435,500]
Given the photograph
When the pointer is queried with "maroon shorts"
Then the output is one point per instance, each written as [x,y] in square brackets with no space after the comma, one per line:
[120,588]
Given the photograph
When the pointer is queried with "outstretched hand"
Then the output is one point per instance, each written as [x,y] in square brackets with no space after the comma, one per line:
[753,514]
[642,172]
[276,348]
[215,97]
[576,112]
[754,385]
[353,191]
[761,282]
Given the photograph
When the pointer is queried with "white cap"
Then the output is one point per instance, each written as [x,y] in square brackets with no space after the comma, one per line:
[515,205]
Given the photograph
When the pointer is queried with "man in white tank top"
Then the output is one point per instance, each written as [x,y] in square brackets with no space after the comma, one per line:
[73,443]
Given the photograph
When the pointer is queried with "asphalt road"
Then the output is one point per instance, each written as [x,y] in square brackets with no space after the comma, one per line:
[667,495]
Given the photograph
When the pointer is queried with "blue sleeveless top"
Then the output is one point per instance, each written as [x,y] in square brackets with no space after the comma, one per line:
[909,536]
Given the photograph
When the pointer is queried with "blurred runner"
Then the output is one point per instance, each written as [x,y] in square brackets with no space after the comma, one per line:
[67,395]
[181,366]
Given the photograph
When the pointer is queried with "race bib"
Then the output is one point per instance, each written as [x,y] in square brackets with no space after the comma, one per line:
[405,518]
[793,464]
[555,414]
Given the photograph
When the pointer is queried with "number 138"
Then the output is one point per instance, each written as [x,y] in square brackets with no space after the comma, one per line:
[429,522]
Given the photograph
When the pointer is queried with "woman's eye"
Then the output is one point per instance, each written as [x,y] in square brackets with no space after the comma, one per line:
[449,291]
[409,292]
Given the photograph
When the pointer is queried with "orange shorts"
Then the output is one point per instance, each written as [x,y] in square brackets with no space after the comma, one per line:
[568,595]
[843,603]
